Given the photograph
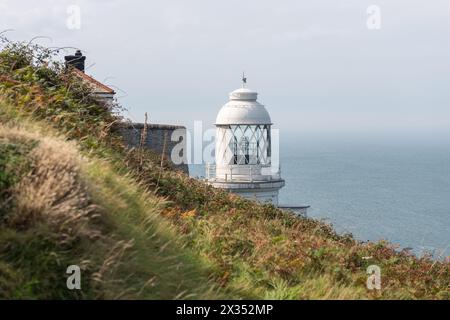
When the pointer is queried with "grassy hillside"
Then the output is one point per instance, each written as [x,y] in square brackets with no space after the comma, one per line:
[71,193]
[59,209]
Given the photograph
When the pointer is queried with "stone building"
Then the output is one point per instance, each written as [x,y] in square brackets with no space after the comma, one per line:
[167,139]
[100,91]
[161,138]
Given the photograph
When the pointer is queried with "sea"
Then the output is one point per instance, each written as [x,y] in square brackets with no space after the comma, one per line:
[397,191]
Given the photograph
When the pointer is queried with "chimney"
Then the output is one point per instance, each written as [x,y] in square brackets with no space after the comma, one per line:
[76,61]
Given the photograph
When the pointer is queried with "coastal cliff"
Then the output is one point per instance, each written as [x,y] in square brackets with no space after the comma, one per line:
[73,193]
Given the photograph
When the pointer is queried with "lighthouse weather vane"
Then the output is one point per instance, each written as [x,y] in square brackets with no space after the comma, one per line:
[244,80]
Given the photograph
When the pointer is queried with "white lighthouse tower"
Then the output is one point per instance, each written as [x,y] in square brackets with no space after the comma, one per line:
[243,149]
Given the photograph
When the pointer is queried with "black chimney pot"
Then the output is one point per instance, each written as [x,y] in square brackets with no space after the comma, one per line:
[76,61]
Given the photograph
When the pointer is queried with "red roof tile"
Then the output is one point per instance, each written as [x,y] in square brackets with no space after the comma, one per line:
[96,85]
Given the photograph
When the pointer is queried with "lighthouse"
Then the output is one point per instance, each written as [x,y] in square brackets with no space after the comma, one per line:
[243,151]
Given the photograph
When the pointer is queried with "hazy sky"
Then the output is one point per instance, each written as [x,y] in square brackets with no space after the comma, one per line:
[316,64]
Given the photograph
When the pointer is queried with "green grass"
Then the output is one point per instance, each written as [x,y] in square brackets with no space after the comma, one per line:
[158,266]
[125,249]
[140,230]
[13,165]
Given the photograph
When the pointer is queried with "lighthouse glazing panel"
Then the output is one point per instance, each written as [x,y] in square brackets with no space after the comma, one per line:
[243,145]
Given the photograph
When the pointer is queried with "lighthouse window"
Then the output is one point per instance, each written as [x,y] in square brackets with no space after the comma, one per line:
[248,144]
[245,147]
[258,161]
[235,151]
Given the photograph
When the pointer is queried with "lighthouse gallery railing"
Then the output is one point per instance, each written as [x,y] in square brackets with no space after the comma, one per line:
[243,173]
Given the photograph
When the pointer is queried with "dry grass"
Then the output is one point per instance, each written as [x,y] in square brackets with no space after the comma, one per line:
[249,250]
[77,211]
[254,251]
[52,191]
[265,252]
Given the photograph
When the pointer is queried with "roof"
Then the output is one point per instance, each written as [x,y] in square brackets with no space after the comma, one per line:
[138,126]
[243,94]
[243,109]
[96,85]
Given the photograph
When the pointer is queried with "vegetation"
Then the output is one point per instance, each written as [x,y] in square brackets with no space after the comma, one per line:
[71,193]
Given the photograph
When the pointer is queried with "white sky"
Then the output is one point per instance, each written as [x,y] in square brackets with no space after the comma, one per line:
[316,65]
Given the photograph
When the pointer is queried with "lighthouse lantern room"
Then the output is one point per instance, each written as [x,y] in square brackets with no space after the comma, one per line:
[244,149]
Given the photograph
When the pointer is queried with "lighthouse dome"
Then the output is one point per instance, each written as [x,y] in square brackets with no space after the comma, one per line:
[242,108]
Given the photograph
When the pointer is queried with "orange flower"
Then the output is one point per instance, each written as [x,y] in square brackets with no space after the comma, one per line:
[189,214]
